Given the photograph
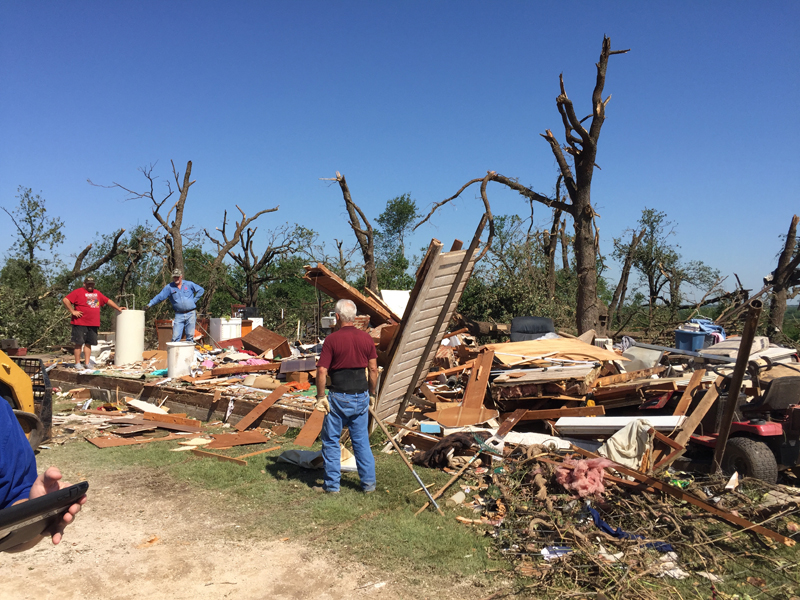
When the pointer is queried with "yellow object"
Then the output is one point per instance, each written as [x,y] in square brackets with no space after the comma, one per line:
[16,388]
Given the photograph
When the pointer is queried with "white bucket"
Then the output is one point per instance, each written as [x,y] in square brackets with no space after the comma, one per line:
[129,336]
[179,358]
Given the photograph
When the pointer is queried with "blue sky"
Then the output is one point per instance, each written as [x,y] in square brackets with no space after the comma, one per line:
[405,97]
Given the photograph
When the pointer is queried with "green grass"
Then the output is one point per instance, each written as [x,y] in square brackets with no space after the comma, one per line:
[276,499]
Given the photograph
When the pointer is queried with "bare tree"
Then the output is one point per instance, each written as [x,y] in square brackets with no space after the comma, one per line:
[551,242]
[256,269]
[626,252]
[172,220]
[581,146]
[362,229]
[783,278]
[224,247]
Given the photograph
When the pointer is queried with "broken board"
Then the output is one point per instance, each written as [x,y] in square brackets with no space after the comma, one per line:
[261,408]
[458,416]
[311,430]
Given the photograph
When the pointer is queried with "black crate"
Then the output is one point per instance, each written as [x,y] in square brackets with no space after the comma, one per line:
[42,390]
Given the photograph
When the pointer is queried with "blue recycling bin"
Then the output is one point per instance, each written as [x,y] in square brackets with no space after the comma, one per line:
[689,340]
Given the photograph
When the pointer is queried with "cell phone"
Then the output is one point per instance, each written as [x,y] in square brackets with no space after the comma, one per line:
[26,520]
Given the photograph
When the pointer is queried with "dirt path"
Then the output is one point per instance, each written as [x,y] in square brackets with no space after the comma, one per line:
[140,537]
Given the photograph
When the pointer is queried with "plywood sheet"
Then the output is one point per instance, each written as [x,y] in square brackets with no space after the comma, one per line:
[514,352]
[461,417]
[229,440]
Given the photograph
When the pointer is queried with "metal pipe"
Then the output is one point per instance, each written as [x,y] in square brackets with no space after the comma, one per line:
[742,358]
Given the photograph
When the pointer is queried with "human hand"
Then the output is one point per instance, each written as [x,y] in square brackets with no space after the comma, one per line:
[47,483]
[77,314]
[323,405]
[372,401]
[121,308]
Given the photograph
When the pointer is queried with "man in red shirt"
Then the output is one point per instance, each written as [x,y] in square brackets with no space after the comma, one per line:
[347,354]
[84,305]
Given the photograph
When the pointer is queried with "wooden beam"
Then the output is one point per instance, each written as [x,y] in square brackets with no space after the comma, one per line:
[623,377]
[686,398]
[171,419]
[451,371]
[311,430]
[478,380]
[234,369]
[204,454]
[557,413]
[261,408]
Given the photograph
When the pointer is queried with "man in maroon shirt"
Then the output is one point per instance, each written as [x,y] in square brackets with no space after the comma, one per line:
[84,305]
[347,354]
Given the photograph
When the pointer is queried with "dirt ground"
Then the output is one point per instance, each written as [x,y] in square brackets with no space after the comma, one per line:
[140,537]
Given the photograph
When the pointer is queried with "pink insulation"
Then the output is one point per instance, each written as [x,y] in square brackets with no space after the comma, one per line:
[586,476]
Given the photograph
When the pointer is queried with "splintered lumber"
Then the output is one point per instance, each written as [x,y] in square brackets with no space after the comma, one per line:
[261,408]
[623,377]
[631,387]
[685,496]
[451,371]
[322,278]
[170,419]
[311,430]
[693,420]
[204,454]
[134,429]
[235,369]
[556,413]
[229,440]
[510,421]
[478,380]
[514,352]
[686,398]
[112,442]
[262,340]
[461,416]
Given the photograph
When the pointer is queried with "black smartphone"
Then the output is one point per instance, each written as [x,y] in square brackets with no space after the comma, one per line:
[26,520]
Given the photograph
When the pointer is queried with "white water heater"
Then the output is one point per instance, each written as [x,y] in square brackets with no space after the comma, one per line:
[130,337]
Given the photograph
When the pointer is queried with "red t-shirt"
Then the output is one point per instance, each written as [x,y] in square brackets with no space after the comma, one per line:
[348,348]
[89,303]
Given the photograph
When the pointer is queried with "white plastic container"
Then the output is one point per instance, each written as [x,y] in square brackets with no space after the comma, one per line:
[257,322]
[226,329]
[129,337]
[179,358]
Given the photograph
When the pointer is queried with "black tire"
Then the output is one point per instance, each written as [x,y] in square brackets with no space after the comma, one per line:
[750,458]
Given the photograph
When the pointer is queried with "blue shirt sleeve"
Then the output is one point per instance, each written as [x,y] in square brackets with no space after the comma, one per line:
[198,291]
[17,462]
[162,295]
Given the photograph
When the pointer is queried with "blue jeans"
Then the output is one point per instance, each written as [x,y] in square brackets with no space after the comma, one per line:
[351,411]
[183,323]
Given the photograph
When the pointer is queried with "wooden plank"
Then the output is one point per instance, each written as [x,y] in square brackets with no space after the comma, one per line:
[261,408]
[171,419]
[684,496]
[429,394]
[510,421]
[511,352]
[259,452]
[261,340]
[220,457]
[693,420]
[311,430]
[234,369]
[134,429]
[451,370]
[624,389]
[141,421]
[229,440]
[461,416]
[113,442]
[326,280]
[686,398]
[556,413]
[623,377]
[475,391]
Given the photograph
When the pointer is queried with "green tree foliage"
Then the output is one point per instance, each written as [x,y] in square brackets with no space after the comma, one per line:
[511,280]
[396,221]
[29,309]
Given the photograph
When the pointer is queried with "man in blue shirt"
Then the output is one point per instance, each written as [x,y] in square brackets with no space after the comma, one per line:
[182,295]
[18,479]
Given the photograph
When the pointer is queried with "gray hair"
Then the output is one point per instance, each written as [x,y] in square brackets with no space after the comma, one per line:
[347,311]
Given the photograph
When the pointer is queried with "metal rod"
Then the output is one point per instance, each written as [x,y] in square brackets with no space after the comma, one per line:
[405,459]
[453,479]
[742,357]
